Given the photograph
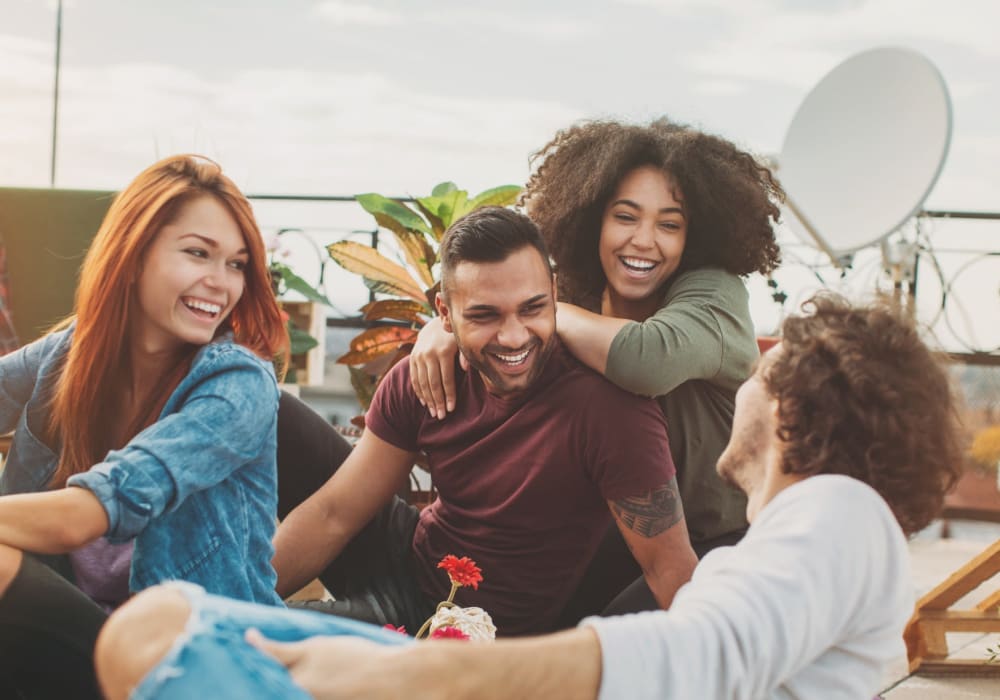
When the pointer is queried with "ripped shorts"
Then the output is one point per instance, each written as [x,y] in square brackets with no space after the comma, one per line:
[211,659]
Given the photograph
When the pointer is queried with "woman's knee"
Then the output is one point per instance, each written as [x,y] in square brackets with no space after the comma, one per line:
[10,564]
[137,637]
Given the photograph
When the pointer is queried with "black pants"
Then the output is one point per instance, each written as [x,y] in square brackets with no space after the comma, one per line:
[48,628]
[613,583]
[372,580]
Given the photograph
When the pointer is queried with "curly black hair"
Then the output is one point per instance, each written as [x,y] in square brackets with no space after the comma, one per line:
[730,199]
[860,394]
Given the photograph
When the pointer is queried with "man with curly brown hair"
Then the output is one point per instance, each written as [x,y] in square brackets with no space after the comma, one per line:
[844,440]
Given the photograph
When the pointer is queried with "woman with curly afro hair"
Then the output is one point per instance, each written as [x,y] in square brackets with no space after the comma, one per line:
[651,228]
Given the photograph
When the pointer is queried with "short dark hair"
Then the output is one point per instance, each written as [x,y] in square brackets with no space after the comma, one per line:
[860,394]
[488,235]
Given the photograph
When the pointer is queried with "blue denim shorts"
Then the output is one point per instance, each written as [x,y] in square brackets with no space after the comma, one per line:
[211,659]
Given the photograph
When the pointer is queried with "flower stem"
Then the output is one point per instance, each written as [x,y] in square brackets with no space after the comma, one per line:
[423,628]
[443,604]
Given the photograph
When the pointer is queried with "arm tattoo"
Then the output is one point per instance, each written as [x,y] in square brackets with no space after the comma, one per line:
[651,513]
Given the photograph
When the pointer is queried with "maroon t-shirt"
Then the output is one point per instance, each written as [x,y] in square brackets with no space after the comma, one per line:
[523,483]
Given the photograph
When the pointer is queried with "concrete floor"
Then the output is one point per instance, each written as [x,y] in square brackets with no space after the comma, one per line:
[933,560]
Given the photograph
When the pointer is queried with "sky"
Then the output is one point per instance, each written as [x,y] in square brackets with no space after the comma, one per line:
[348,96]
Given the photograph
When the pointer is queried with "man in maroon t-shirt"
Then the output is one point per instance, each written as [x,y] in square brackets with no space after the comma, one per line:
[539,454]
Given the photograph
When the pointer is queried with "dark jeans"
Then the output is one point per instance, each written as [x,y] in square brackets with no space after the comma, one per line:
[372,580]
[613,582]
[48,628]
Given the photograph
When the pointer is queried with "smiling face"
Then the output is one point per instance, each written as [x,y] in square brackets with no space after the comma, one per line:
[192,276]
[503,317]
[643,232]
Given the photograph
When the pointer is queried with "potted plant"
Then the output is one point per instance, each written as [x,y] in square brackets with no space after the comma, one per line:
[305,319]
[408,287]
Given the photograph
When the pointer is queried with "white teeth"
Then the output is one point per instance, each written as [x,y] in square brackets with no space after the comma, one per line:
[638,263]
[512,359]
[202,306]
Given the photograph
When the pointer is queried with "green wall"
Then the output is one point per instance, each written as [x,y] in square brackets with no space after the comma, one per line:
[46,233]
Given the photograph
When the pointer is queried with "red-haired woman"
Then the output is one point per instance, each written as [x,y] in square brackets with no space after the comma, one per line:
[144,443]
[651,227]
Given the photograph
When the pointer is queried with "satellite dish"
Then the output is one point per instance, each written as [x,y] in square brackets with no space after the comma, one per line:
[865,149]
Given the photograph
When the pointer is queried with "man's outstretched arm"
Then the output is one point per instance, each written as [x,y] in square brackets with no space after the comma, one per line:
[318,530]
[563,665]
[653,526]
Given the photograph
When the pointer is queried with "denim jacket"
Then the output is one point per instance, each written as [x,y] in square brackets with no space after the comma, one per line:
[197,489]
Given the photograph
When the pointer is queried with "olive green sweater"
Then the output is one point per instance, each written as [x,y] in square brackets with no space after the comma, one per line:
[692,355]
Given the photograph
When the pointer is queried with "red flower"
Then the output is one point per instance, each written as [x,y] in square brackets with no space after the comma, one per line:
[462,572]
[392,628]
[448,632]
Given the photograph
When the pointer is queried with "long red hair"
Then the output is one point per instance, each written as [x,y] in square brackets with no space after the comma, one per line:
[82,406]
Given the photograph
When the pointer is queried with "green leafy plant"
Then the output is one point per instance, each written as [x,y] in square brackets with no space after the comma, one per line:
[409,285]
[284,280]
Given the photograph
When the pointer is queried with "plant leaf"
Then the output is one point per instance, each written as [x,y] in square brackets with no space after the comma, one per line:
[419,254]
[385,209]
[414,243]
[445,206]
[297,284]
[437,226]
[299,340]
[432,295]
[380,287]
[364,387]
[501,196]
[402,351]
[389,277]
[443,188]
[376,342]
[399,309]
[408,228]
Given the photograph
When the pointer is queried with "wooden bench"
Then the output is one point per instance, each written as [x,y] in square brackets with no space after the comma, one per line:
[925,635]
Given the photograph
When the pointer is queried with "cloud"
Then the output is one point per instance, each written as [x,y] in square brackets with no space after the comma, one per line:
[342,13]
[288,130]
[966,181]
[715,88]
[25,62]
[794,44]
[535,26]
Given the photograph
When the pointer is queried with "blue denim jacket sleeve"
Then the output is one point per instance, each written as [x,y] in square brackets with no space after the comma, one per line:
[18,376]
[219,425]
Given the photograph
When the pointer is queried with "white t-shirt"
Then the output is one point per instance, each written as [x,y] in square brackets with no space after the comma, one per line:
[811,604]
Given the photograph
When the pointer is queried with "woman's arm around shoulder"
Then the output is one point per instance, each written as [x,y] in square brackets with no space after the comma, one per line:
[432,368]
[704,317]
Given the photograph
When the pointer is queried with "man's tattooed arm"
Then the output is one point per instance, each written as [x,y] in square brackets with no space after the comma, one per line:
[651,513]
